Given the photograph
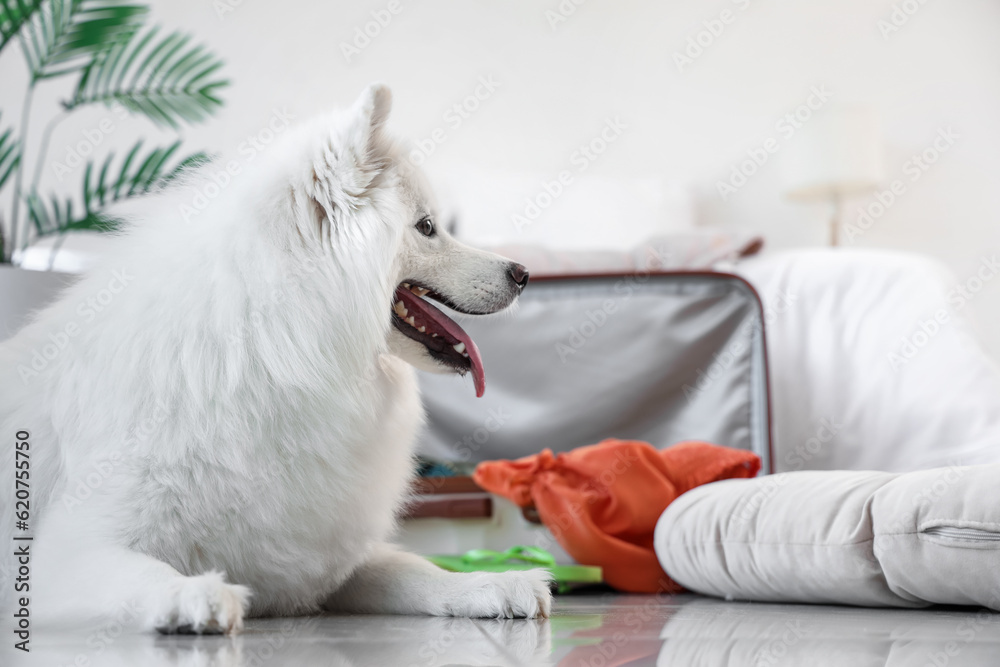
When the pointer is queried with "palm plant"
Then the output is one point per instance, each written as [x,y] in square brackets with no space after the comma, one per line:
[116,61]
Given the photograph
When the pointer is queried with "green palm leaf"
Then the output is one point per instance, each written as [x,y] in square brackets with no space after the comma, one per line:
[10,156]
[137,175]
[165,79]
[60,36]
[13,15]
[58,217]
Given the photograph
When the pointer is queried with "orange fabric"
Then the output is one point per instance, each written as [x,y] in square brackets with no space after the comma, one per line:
[601,502]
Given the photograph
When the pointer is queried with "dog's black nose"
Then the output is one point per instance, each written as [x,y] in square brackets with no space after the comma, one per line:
[519,274]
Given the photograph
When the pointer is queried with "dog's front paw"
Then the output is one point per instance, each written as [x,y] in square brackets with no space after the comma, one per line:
[202,605]
[522,594]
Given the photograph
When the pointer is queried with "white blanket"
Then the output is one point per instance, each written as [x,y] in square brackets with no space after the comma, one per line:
[873,363]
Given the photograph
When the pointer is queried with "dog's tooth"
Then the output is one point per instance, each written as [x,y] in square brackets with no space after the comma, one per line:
[434,335]
[422,329]
[460,347]
[411,321]
[406,285]
[419,291]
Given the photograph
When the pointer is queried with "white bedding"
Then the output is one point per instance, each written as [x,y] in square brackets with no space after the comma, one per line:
[873,363]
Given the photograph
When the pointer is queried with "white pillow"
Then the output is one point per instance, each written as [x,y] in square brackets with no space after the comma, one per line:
[846,537]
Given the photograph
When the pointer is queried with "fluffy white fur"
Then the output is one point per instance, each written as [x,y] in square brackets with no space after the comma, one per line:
[232,433]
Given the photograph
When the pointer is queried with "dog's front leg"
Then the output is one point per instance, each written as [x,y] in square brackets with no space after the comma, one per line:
[82,574]
[396,582]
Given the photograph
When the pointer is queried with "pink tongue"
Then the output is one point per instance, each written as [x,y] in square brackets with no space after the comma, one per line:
[449,326]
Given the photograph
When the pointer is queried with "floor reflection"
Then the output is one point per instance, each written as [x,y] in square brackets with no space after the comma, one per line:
[704,632]
[586,631]
[337,641]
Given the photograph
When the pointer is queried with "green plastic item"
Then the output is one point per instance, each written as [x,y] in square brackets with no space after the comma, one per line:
[520,558]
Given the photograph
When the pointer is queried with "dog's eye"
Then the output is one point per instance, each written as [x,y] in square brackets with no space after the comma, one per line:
[426,227]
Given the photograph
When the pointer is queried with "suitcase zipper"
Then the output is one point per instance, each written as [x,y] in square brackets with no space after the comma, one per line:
[963,534]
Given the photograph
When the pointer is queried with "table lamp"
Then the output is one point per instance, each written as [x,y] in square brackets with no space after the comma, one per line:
[834,154]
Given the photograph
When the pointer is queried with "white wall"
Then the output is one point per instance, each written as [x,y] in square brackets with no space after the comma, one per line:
[940,69]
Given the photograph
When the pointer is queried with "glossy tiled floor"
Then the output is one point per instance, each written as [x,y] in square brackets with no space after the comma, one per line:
[585,631]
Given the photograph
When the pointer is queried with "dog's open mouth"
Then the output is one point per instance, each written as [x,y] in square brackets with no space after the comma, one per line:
[418,319]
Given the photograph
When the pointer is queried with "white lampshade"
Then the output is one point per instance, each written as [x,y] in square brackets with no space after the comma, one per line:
[838,151]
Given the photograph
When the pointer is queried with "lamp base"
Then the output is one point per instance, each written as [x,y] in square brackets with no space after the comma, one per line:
[835,220]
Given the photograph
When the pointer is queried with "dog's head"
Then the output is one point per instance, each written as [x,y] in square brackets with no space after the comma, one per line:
[364,197]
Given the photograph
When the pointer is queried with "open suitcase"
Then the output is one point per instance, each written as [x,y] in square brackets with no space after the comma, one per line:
[659,357]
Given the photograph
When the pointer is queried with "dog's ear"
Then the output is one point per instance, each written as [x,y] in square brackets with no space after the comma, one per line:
[370,113]
[373,106]
[353,161]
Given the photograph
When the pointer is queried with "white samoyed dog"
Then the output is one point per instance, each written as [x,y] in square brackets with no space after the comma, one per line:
[227,426]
